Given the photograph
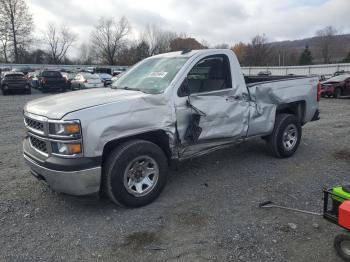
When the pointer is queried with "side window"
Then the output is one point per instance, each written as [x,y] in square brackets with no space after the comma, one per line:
[210,74]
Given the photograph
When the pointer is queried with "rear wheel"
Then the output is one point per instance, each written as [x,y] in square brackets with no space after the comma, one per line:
[134,173]
[337,93]
[4,92]
[285,137]
[342,246]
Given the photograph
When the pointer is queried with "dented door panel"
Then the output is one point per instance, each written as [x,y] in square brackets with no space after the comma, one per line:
[224,116]
[223,120]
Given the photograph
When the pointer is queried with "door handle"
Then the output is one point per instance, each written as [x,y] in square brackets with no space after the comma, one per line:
[233,98]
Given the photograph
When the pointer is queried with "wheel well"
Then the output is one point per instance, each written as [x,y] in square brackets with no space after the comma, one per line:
[158,137]
[340,88]
[294,108]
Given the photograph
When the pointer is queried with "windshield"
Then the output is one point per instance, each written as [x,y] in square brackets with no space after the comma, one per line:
[14,76]
[105,76]
[91,76]
[339,78]
[51,74]
[152,75]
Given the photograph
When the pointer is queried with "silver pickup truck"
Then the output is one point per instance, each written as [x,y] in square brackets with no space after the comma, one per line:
[119,141]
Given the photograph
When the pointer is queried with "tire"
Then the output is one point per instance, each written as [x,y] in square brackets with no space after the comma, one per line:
[136,155]
[286,126]
[337,93]
[342,246]
[3,92]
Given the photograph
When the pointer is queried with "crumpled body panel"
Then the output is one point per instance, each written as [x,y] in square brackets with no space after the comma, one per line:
[266,97]
[105,123]
[222,119]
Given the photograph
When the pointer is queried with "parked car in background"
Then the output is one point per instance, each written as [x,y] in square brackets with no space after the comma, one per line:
[106,79]
[116,72]
[341,72]
[264,73]
[69,77]
[50,80]
[336,86]
[102,70]
[116,77]
[15,81]
[86,80]
[24,70]
[33,79]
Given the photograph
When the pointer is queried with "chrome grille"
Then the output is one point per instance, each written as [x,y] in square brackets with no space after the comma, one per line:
[34,124]
[38,144]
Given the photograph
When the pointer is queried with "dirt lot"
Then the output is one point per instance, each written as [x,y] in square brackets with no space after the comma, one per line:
[207,212]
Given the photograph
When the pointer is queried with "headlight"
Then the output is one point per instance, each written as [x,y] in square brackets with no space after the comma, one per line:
[68,129]
[66,148]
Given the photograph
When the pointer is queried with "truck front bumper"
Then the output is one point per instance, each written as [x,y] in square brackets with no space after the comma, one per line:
[78,182]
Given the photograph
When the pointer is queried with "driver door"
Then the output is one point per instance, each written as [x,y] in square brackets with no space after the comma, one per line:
[212,112]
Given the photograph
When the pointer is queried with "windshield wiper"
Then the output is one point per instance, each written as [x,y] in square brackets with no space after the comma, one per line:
[126,88]
[129,88]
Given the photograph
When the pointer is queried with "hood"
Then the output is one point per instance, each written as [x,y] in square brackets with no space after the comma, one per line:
[57,106]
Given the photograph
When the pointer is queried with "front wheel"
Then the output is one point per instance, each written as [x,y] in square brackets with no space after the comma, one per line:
[285,137]
[134,173]
[342,246]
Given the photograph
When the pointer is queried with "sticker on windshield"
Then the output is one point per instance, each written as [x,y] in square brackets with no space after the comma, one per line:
[157,74]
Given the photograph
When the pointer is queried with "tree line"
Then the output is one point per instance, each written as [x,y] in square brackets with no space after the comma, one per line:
[110,43]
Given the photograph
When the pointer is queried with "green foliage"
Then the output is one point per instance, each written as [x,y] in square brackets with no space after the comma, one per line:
[347,58]
[306,57]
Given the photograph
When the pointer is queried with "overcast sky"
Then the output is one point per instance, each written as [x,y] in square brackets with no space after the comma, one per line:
[216,21]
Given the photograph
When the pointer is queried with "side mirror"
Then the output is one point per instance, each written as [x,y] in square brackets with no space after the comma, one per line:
[184,89]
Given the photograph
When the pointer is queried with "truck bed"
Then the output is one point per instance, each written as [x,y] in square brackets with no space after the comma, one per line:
[260,79]
[273,93]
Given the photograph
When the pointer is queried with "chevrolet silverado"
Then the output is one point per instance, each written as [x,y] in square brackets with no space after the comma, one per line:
[173,106]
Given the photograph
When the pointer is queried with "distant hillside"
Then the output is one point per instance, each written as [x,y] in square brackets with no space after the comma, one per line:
[339,50]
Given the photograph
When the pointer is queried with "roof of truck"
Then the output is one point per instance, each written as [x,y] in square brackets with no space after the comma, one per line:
[189,53]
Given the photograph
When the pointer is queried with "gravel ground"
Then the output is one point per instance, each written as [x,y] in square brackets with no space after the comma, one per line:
[207,212]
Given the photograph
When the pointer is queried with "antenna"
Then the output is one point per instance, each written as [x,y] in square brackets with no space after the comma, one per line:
[185,51]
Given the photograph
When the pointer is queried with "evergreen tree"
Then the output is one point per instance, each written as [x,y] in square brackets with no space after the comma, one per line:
[347,58]
[306,57]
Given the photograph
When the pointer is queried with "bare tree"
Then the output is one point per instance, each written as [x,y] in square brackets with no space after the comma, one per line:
[158,39]
[18,23]
[205,44]
[326,36]
[222,46]
[85,55]
[240,50]
[59,40]
[179,44]
[4,39]
[107,38]
[258,51]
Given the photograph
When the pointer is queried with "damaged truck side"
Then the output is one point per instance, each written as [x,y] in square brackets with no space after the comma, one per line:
[178,105]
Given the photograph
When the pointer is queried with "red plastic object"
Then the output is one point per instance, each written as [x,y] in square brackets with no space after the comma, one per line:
[319,90]
[344,215]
